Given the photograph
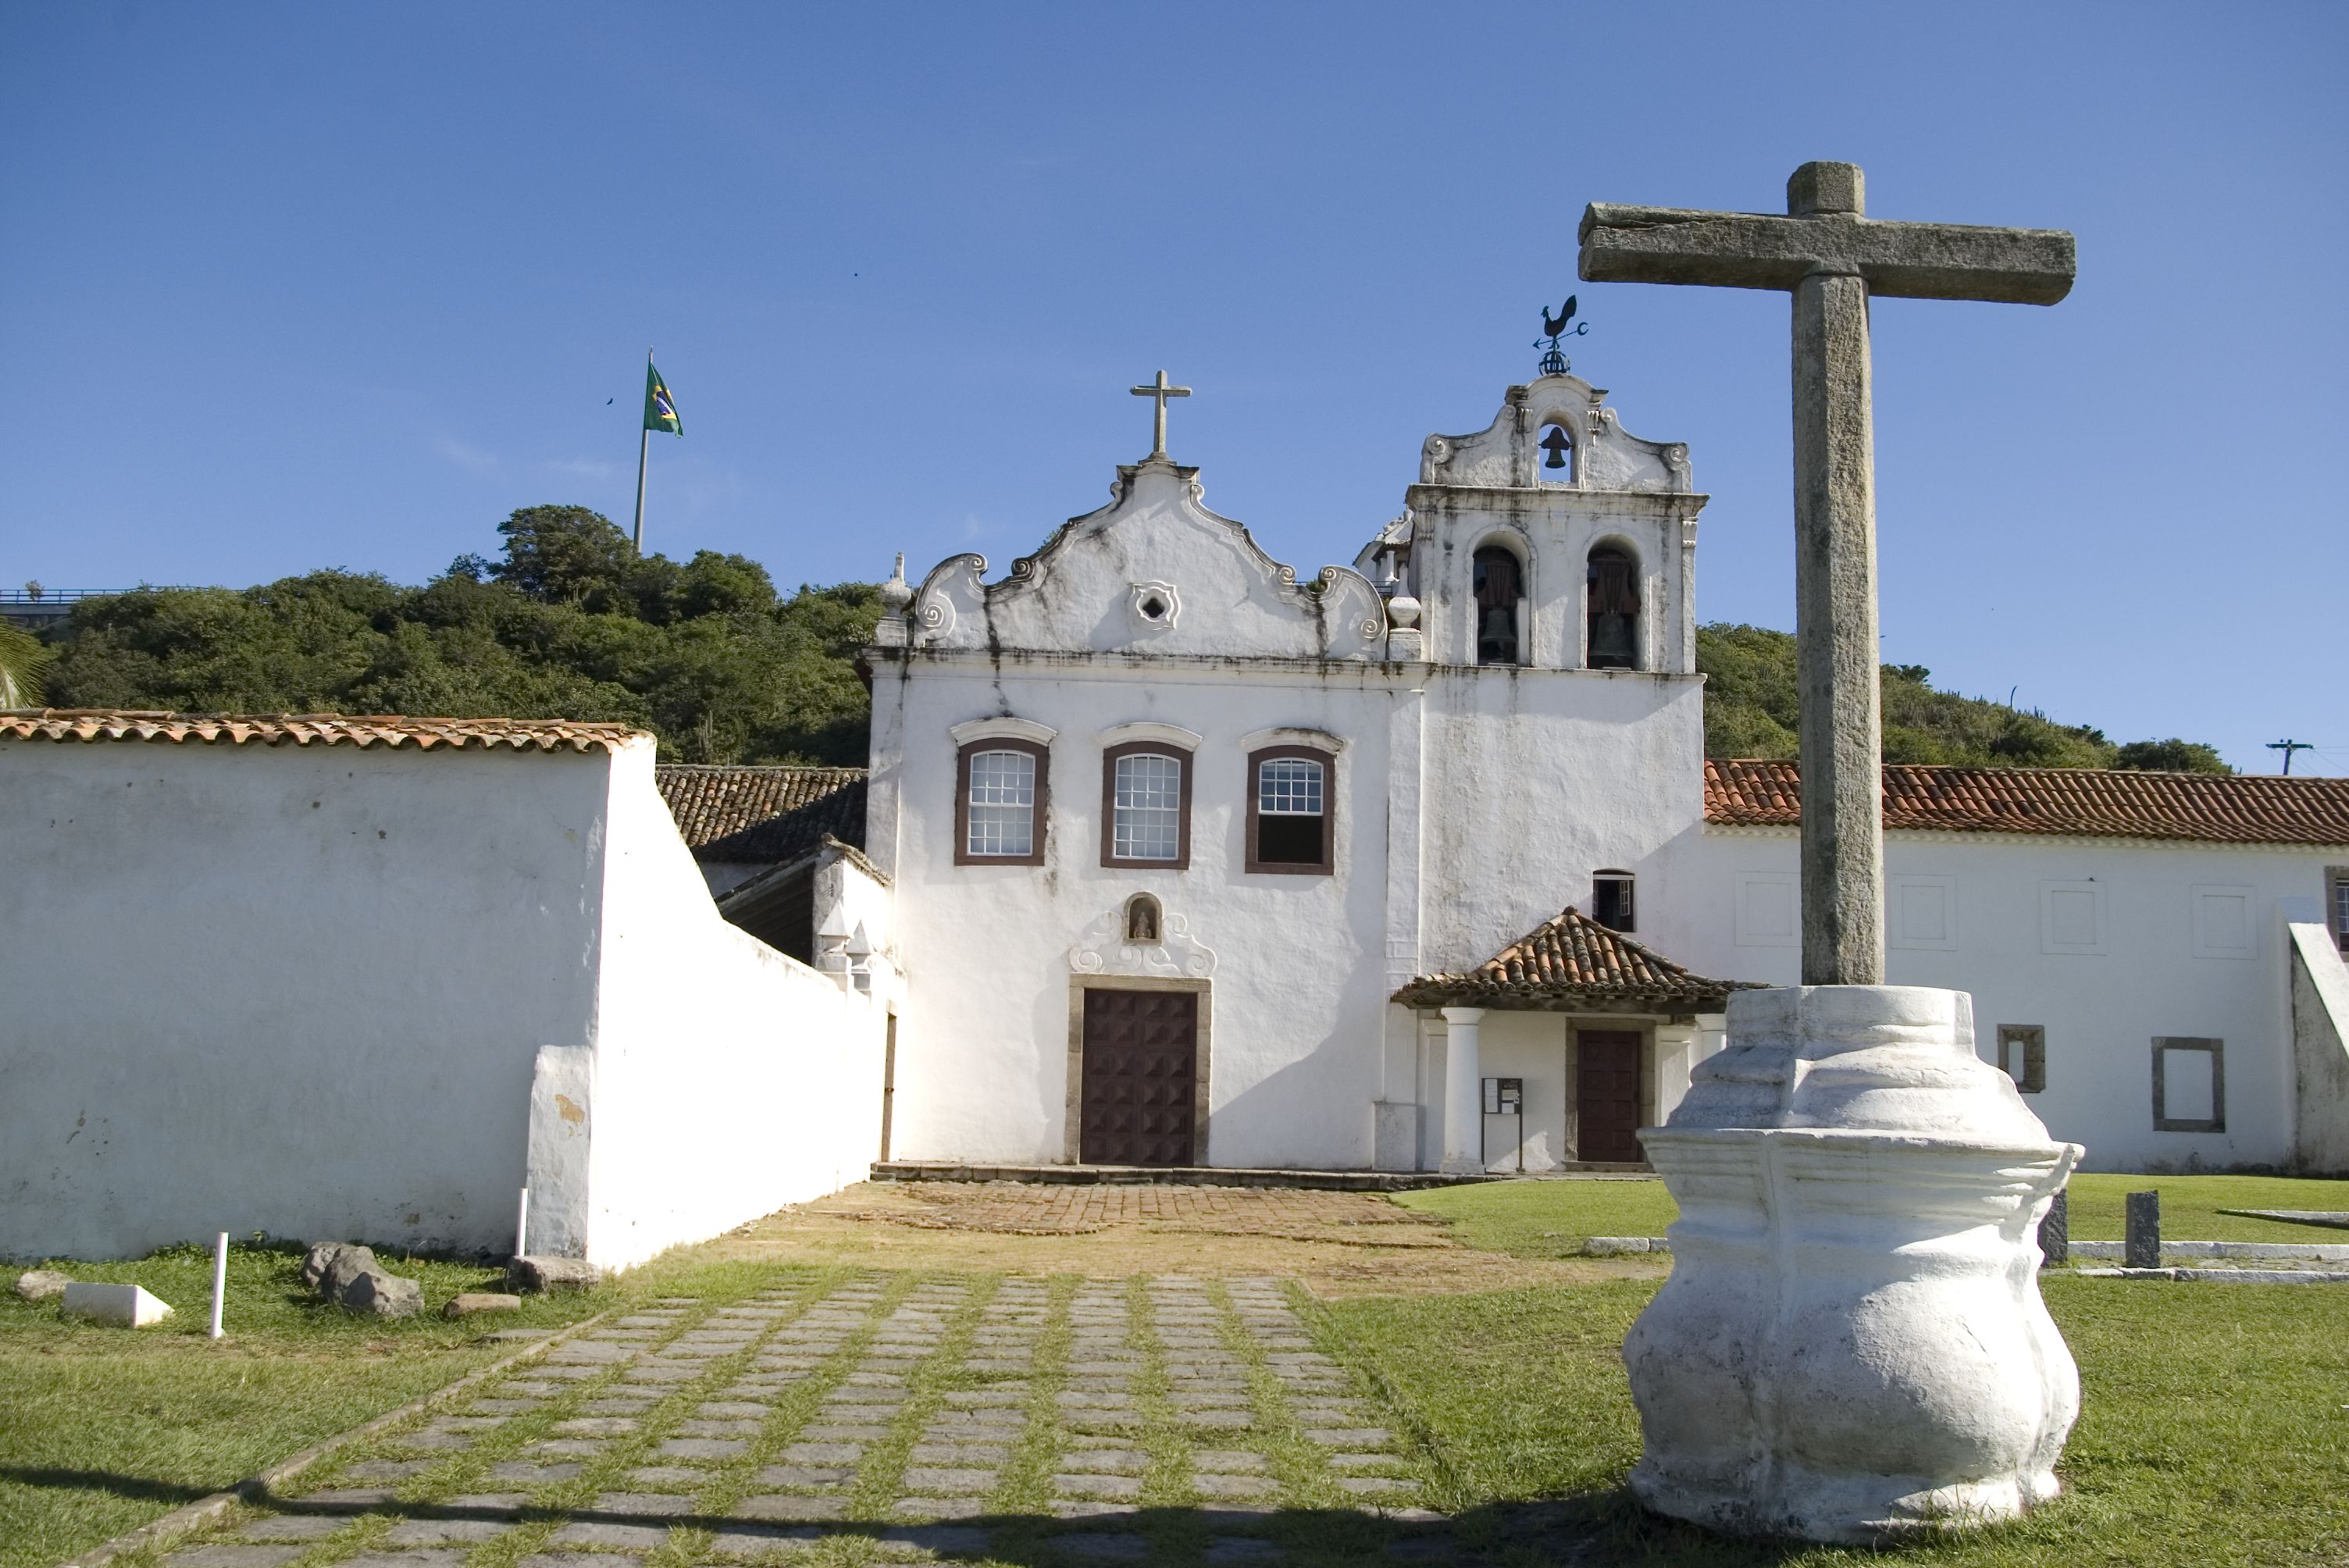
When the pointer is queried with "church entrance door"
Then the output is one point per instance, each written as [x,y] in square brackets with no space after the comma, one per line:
[1607,1095]
[1140,1076]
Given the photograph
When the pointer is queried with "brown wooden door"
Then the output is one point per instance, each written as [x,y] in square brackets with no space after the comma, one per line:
[1607,1095]
[1139,1077]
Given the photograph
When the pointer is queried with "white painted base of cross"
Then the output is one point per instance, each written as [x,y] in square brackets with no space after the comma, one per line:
[1852,1346]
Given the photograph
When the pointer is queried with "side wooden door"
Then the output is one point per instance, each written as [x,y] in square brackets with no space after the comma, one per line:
[1138,1077]
[1607,1095]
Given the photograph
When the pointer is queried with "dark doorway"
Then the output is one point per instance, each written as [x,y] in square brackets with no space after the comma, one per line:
[1139,1077]
[1606,1096]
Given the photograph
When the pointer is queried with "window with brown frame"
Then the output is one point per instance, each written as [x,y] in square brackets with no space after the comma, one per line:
[2337,900]
[1291,810]
[1147,806]
[1002,791]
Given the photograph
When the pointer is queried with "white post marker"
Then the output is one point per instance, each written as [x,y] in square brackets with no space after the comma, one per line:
[521,1225]
[220,1280]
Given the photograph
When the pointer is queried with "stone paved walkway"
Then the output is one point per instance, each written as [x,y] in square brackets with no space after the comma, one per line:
[1168,1418]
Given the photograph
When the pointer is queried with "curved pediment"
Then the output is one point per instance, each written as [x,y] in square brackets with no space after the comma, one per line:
[1506,454]
[1154,572]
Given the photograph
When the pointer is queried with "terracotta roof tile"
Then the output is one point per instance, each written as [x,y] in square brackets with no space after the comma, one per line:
[1572,959]
[763,814]
[2087,802]
[313,729]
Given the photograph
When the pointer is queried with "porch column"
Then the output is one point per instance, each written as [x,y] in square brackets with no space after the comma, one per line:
[1463,1093]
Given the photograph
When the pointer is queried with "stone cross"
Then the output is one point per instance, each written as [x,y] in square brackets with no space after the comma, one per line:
[1832,258]
[1160,390]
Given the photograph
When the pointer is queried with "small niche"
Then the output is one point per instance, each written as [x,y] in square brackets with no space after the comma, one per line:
[1142,920]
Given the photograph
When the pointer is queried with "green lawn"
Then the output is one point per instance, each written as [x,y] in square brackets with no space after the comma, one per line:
[2212,1432]
[104,1429]
[1550,1219]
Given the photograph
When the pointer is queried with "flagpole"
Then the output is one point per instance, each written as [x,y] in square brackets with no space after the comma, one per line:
[644,449]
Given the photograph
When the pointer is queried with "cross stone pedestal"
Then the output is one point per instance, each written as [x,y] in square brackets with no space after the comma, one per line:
[1852,1346]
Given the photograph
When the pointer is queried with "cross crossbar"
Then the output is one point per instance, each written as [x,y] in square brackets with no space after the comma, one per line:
[1832,258]
[1758,250]
[1161,390]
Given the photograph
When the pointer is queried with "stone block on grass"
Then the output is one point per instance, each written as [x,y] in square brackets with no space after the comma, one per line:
[538,1276]
[473,1302]
[289,1527]
[375,1292]
[232,1557]
[117,1305]
[608,1533]
[790,1506]
[41,1284]
[321,1254]
[1120,1487]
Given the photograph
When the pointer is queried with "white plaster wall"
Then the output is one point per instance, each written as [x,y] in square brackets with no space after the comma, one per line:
[1530,1046]
[288,989]
[2155,971]
[730,1079]
[1298,997]
[2319,1020]
[1535,780]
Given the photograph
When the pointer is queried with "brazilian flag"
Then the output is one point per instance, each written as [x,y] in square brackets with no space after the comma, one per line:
[660,408]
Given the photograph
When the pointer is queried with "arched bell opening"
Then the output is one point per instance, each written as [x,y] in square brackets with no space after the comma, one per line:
[1612,639]
[1497,584]
[1556,445]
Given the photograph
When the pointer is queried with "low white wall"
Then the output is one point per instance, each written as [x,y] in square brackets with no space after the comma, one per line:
[2320,1020]
[2105,943]
[288,989]
[728,1079]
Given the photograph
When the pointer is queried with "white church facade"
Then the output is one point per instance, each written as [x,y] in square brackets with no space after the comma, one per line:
[1164,858]
[1418,865]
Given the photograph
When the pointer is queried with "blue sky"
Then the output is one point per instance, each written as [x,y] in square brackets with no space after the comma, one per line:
[283,287]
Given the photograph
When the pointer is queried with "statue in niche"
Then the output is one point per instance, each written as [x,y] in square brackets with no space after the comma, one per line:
[1141,921]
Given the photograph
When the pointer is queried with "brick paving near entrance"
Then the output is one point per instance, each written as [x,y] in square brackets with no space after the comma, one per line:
[1166,1418]
[1037,1209]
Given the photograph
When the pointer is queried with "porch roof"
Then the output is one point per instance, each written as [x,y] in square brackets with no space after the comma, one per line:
[1573,964]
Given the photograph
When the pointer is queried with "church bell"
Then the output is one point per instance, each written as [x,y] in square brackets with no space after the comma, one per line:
[1557,446]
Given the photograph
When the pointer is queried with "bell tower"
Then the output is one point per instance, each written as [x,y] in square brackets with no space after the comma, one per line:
[1553,538]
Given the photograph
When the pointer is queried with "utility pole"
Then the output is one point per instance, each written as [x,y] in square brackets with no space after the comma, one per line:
[2288,747]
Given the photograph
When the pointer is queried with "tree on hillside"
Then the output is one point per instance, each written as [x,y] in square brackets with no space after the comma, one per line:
[2172,756]
[572,623]
[1753,701]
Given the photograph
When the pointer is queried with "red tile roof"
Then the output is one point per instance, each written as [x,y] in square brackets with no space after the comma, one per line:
[1569,961]
[313,729]
[763,814]
[2087,802]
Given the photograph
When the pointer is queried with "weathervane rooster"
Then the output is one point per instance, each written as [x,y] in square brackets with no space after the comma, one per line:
[1553,362]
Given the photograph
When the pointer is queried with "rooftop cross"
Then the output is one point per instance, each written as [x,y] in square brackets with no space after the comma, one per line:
[1832,258]
[1160,390]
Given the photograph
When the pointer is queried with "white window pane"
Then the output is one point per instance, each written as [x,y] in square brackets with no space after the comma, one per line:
[1147,799]
[1289,787]
[1002,803]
